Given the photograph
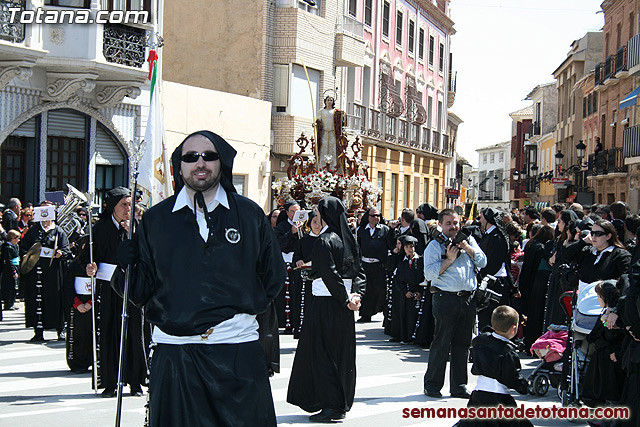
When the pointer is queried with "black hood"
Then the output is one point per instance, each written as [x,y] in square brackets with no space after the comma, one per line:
[334,214]
[113,197]
[227,154]
[429,211]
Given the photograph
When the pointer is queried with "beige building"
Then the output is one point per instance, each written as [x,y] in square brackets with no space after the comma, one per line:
[259,50]
[583,56]
[188,109]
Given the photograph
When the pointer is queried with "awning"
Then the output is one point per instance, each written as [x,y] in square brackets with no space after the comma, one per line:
[630,99]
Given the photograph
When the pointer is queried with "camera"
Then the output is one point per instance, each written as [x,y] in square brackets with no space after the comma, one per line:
[484,295]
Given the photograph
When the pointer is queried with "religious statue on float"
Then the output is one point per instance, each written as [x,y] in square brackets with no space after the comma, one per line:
[331,141]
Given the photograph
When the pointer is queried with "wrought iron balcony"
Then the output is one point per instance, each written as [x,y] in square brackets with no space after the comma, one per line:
[436,143]
[426,140]
[607,161]
[621,60]
[631,141]
[374,124]
[403,136]
[11,31]
[598,74]
[124,45]
[633,52]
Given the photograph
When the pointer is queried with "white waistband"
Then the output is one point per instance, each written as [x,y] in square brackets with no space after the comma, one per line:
[491,385]
[370,260]
[240,328]
[105,271]
[287,257]
[82,285]
[319,289]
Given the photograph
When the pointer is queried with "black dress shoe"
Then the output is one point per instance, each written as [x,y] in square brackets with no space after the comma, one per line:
[37,338]
[395,340]
[109,392]
[462,394]
[327,415]
[435,394]
[135,391]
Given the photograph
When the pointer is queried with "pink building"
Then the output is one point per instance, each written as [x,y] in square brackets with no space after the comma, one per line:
[398,100]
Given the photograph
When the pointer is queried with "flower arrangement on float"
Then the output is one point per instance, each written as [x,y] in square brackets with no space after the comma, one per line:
[308,184]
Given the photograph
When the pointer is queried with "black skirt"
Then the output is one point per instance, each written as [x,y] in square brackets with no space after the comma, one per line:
[484,399]
[324,367]
[210,385]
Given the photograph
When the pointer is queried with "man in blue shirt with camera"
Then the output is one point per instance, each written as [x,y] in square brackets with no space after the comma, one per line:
[451,267]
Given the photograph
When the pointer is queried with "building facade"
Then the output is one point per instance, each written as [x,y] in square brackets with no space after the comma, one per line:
[582,58]
[609,176]
[188,109]
[521,159]
[400,101]
[70,99]
[386,63]
[494,166]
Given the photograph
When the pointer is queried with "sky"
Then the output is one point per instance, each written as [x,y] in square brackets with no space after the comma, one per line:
[504,48]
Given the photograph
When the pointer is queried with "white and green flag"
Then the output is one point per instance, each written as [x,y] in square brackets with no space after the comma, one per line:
[155,167]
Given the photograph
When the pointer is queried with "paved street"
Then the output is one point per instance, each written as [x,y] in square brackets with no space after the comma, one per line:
[37,388]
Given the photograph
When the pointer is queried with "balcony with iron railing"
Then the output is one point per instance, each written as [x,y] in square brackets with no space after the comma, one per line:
[436,146]
[426,140]
[375,125]
[11,31]
[451,94]
[610,70]
[621,63]
[633,55]
[598,80]
[607,161]
[631,142]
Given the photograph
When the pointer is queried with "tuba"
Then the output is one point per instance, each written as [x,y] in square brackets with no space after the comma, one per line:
[66,216]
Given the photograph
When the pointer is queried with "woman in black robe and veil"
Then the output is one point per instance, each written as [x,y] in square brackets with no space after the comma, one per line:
[323,377]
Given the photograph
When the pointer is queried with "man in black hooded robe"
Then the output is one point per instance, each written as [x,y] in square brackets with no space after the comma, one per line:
[323,376]
[495,245]
[108,232]
[203,274]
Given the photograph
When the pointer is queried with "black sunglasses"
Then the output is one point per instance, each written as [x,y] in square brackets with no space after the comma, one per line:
[207,156]
[599,233]
[375,215]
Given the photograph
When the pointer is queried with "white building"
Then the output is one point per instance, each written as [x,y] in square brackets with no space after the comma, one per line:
[70,98]
[494,175]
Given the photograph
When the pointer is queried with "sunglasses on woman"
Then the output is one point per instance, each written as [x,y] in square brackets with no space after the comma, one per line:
[207,156]
[598,233]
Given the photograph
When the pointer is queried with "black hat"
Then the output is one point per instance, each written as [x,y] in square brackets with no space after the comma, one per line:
[113,197]
[408,240]
[227,154]
[491,215]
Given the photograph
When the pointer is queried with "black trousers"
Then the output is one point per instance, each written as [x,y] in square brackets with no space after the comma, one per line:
[454,319]
[502,287]
[373,301]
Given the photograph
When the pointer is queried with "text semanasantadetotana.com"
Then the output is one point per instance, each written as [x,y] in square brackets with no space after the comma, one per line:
[520,412]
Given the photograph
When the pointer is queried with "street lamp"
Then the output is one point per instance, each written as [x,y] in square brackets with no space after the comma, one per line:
[581,150]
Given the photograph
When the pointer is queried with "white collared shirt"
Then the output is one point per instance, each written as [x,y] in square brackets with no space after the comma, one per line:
[404,229]
[182,200]
[372,229]
[595,251]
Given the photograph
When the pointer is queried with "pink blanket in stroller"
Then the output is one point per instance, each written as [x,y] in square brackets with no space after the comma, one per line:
[550,346]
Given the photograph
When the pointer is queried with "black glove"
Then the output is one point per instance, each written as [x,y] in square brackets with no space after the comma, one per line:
[128,253]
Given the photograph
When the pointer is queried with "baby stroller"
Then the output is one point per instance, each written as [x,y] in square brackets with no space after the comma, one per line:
[586,312]
[550,347]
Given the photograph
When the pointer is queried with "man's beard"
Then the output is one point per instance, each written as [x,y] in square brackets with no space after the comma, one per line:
[202,185]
